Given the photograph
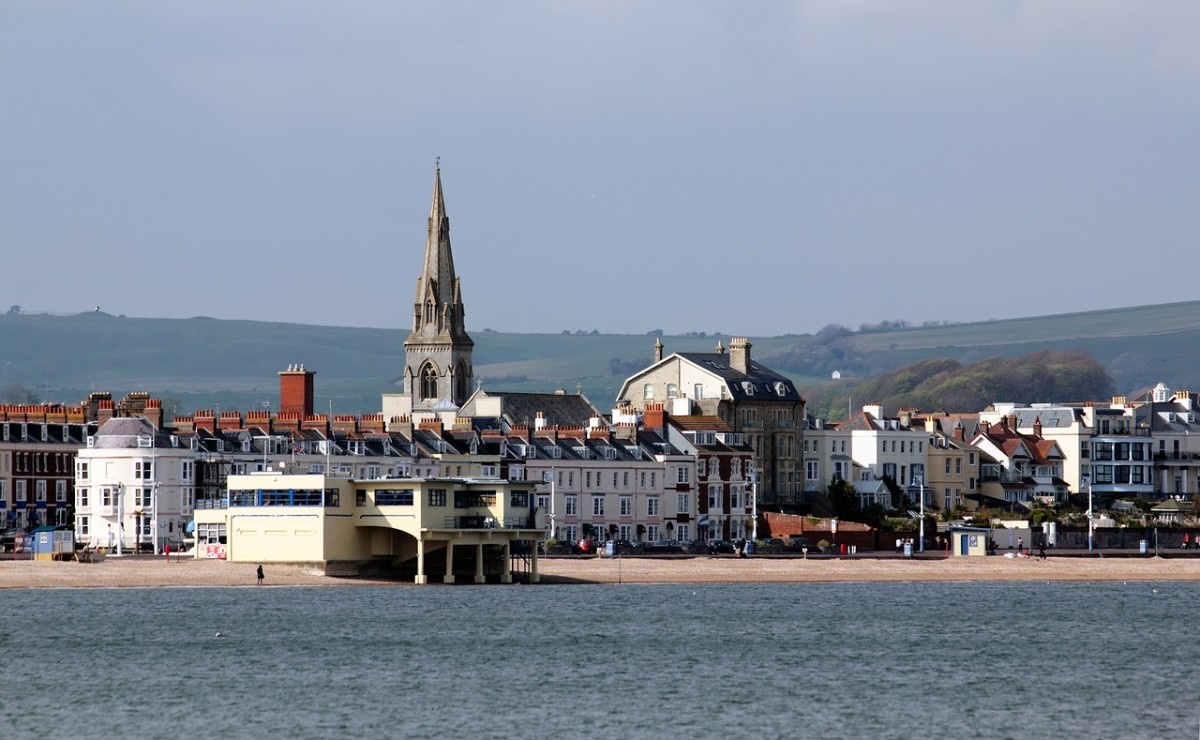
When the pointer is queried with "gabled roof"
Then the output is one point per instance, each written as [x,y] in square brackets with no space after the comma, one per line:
[760,383]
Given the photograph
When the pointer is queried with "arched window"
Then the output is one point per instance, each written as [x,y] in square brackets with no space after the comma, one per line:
[429,312]
[429,382]
[672,391]
[461,387]
[648,391]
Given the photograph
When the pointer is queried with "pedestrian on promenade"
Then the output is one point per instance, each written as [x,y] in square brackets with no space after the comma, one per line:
[260,575]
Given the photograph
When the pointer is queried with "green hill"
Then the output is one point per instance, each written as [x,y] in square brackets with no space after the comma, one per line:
[208,363]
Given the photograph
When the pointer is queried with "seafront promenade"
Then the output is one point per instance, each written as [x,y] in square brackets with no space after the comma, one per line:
[151,571]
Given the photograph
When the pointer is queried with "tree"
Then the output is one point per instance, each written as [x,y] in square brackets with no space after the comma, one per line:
[14,310]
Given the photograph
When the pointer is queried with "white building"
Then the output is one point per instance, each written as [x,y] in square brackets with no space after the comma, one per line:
[133,487]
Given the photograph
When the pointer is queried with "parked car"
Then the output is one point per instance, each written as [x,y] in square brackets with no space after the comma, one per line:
[585,547]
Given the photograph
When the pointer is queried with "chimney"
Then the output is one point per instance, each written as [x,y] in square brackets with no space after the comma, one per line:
[296,390]
[1037,427]
[959,432]
[658,350]
[654,417]
[739,355]
[906,417]
[1012,422]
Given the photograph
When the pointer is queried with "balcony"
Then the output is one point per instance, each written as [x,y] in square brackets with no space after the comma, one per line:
[474,521]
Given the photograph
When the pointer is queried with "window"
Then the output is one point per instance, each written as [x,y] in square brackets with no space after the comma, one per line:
[958,466]
[571,505]
[812,470]
[20,492]
[85,526]
[81,497]
[698,391]
[81,470]
[682,503]
[735,497]
[651,532]
[543,502]
[648,391]
[681,474]
[40,491]
[60,492]
[360,497]
[682,532]
[672,391]
[598,505]
[626,506]
[393,497]
[429,382]
[143,469]
[714,498]
[437,496]
[652,506]
[947,466]
[107,497]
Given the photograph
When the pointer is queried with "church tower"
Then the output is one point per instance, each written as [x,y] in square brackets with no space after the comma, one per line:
[437,353]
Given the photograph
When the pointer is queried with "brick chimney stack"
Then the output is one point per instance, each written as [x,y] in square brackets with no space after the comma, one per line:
[739,354]
[296,390]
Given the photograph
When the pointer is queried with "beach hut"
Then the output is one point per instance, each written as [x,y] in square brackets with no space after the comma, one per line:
[969,541]
[52,543]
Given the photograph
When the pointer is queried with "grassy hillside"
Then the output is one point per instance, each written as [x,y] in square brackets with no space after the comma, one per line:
[207,363]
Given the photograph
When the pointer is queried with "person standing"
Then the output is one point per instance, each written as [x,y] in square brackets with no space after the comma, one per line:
[260,575]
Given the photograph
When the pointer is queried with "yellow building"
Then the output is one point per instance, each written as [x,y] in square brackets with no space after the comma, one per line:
[438,525]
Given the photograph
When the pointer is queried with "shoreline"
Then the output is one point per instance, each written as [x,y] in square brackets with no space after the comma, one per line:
[149,571]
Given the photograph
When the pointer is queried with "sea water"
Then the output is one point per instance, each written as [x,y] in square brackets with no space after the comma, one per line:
[1019,660]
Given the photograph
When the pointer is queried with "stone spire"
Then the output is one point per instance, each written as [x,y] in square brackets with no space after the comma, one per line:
[438,349]
[438,309]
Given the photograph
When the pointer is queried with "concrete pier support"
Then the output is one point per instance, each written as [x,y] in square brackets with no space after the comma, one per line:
[421,577]
[533,565]
[506,574]
[449,577]
[479,563]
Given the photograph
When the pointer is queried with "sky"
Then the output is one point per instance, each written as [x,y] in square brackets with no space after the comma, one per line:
[727,167]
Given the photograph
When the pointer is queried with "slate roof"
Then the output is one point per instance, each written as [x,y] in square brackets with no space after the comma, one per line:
[558,409]
[124,433]
[761,383]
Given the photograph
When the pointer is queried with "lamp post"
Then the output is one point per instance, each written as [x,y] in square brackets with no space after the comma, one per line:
[120,515]
[1087,481]
[921,532]
[154,513]
[137,531]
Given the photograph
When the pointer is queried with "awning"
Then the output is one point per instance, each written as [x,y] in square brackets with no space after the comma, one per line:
[703,522]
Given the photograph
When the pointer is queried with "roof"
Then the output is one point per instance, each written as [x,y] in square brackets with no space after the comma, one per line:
[557,409]
[761,383]
[129,432]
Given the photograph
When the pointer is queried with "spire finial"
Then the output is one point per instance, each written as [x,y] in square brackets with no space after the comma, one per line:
[437,163]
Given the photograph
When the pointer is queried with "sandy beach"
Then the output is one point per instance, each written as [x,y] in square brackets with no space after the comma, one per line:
[148,571]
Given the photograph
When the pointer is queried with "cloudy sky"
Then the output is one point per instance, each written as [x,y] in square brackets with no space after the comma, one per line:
[746,168]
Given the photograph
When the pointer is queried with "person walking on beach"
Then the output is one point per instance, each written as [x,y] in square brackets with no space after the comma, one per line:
[1042,548]
[260,575]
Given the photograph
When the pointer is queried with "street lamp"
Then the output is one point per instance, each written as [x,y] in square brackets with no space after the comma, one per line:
[920,481]
[1086,480]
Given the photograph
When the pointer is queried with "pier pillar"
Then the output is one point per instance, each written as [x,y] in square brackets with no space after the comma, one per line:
[533,564]
[449,577]
[506,573]
[421,577]
[479,563]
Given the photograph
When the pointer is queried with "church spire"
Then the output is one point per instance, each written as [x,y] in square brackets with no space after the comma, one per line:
[438,349]
[438,309]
